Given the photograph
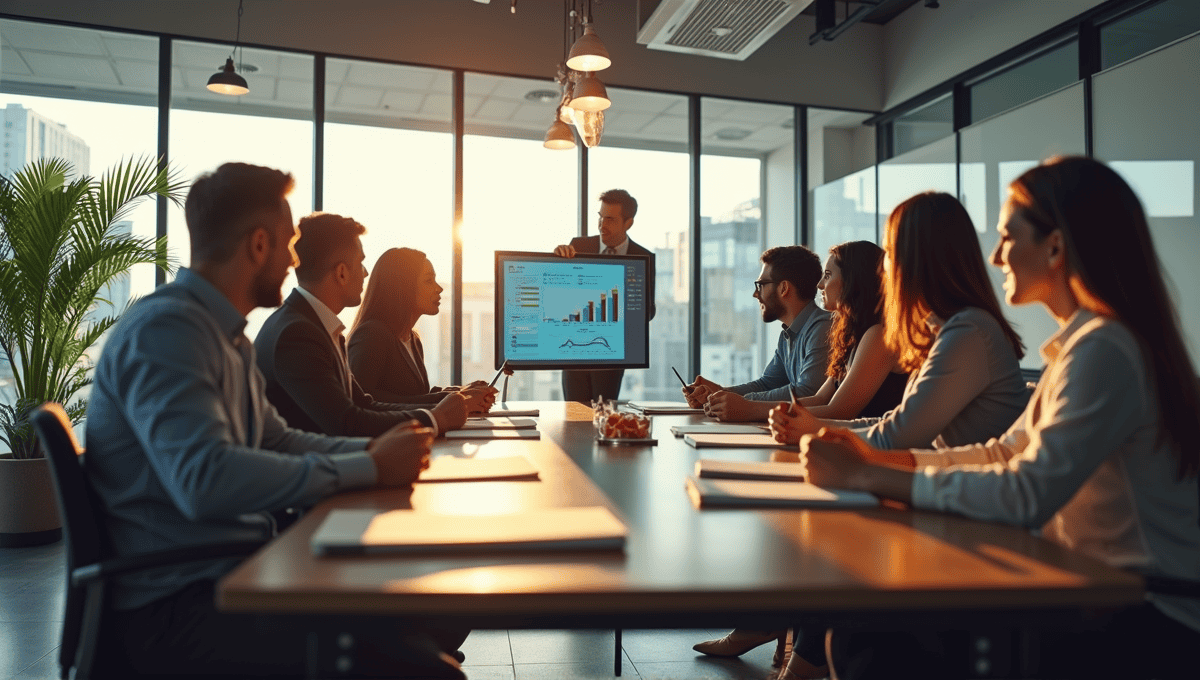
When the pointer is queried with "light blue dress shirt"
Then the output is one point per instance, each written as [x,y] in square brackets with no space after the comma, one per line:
[183,447]
[801,357]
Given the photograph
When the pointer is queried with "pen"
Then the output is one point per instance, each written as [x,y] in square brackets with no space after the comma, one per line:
[681,381]
[792,409]
[499,373]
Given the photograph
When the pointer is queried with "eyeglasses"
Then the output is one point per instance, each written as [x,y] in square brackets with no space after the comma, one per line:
[758,285]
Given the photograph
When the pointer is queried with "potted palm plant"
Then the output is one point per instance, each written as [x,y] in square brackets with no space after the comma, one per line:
[60,247]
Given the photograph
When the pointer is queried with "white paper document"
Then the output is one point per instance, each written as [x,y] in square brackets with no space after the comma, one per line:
[736,469]
[493,434]
[495,423]
[455,469]
[664,408]
[733,441]
[356,532]
[514,412]
[743,493]
[717,428]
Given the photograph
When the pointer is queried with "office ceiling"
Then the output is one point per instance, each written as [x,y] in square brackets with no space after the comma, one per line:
[61,61]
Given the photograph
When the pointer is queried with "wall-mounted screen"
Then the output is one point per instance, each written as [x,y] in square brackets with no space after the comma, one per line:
[589,311]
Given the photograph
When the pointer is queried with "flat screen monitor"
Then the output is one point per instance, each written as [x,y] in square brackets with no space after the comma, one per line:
[589,311]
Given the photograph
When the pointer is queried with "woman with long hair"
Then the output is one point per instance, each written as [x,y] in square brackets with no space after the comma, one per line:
[1105,457]
[943,322]
[385,351]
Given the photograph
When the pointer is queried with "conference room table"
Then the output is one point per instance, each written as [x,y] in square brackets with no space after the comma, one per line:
[681,567]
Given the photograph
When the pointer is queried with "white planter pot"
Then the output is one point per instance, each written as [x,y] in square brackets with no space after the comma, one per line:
[28,509]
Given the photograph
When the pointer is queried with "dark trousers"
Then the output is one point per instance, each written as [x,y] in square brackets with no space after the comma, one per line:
[588,386]
[1140,642]
[184,634]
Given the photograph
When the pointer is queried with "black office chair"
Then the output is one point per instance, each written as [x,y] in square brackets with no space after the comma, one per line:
[90,562]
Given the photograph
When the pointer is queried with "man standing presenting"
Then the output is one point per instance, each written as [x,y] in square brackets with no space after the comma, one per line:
[617,210]
[302,351]
[185,450]
[785,291]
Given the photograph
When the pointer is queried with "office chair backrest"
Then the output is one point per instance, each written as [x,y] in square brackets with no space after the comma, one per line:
[77,505]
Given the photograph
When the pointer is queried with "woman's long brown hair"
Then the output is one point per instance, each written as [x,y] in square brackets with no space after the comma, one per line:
[860,304]
[1110,251]
[937,267]
[389,294]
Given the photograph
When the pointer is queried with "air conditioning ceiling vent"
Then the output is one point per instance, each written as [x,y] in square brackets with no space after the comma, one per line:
[729,29]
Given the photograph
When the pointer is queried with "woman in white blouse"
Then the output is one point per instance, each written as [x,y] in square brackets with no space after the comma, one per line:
[1105,457]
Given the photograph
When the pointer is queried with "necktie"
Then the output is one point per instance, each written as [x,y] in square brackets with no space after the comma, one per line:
[341,343]
[609,251]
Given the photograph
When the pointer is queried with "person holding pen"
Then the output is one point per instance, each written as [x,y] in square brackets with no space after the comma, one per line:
[785,291]
[862,377]
[943,322]
[1104,458]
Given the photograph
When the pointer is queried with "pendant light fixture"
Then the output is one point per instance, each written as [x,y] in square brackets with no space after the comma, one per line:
[588,53]
[228,80]
[590,94]
[559,136]
[584,97]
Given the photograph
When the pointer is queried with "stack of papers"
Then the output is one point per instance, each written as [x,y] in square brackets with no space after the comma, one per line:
[763,471]
[495,423]
[733,441]
[454,469]
[741,493]
[357,532]
[714,428]
[490,433]
[664,408]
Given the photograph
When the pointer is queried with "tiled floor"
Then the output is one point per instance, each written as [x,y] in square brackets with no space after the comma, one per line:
[31,604]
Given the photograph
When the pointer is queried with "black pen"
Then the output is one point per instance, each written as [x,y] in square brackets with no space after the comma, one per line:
[681,382]
[499,373]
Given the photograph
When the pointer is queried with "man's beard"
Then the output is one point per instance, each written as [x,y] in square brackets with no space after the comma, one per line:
[772,309]
[267,291]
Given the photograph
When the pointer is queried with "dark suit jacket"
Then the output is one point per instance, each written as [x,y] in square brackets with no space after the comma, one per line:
[307,382]
[385,369]
[590,245]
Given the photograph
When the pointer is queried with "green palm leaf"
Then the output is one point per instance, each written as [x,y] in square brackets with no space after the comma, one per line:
[59,249]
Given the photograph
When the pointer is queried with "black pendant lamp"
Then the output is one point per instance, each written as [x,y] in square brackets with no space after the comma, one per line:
[228,80]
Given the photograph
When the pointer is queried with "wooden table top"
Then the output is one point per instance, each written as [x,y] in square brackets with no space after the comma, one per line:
[681,565]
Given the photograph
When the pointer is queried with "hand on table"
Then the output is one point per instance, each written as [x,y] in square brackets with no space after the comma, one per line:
[834,457]
[789,423]
[401,453]
[451,411]
[479,399]
[732,408]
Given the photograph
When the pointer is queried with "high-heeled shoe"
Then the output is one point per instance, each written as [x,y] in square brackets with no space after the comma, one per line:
[799,668]
[738,642]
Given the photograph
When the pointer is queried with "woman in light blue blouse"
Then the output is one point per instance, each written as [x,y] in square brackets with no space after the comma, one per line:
[944,323]
[1105,458]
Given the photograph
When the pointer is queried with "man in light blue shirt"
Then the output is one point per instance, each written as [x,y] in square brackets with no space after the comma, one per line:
[184,449]
[785,291]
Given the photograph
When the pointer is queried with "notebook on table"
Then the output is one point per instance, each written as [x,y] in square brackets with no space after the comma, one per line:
[360,532]
[736,469]
[499,423]
[501,411]
[717,428]
[490,433]
[733,441]
[665,408]
[455,469]
[743,493]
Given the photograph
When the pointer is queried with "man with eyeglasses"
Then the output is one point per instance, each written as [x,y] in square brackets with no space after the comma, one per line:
[785,291]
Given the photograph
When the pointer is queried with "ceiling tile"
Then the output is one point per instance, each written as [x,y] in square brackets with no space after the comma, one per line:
[77,69]
[295,66]
[297,91]
[667,129]
[138,74]
[357,96]
[132,47]
[439,105]
[402,101]
[496,109]
[626,122]
[30,36]
[12,63]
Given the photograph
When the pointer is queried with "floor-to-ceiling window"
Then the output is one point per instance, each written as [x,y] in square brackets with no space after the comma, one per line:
[517,195]
[388,147]
[644,151]
[841,178]
[747,191]
[93,105]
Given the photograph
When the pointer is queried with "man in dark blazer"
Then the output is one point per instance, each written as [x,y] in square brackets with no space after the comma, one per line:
[301,348]
[617,210]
